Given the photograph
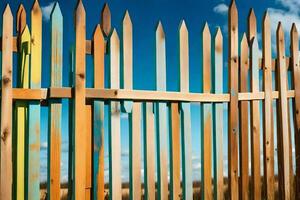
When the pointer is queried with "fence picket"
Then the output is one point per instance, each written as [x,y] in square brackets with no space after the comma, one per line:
[268,136]
[296,103]
[79,104]
[283,132]
[6,106]
[255,119]
[175,188]
[149,151]
[233,131]
[106,20]
[88,152]
[114,122]
[218,117]
[206,116]
[98,118]
[22,111]
[244,121]
[55,109]
[185,111]
[161,115]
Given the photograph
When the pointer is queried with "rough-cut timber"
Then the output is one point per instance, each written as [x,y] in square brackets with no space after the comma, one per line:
[79,104]
[6,173]
[233,132]
[268,126]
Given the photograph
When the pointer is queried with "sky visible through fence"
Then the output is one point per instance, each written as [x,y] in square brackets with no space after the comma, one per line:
[144,16]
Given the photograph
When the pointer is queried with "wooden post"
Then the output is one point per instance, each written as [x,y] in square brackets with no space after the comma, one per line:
[185,111]
[161,115]
[233,104]
[79,104]
[114,122]
[149,151]
[296,102]
[98,118]
[218,117]
[283,124]
[255,119]
[244,121]
[55,110]
[268,137]
[6,173]
[206,154]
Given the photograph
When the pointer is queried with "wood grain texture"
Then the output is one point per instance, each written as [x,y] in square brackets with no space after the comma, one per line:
[255,122]
[244,121]
[55,114]
[149,150]
[218,111]
[296,102]
[207,131]
[98,118]
[135,152]
[185,113]
[233,104]
[79,103]
[161,116]
[268,126]
[6,173]
[175,188]
[283,131]
[33,183]
[115,122]
[22,112]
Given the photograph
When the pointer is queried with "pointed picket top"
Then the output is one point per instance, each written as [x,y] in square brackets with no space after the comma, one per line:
[115,60]
[36,9]
[294,33]
[184,57]
[252,28]
[244,42]
[106,20]
[280,40]
[21,19]
[56,12]
[219,35]
[232,8]
[115,36]
[98,35]
[26,38]
[80,10]
[98,41]
[206,42]
[127,19]
[266,18]
[7,12]
[160,30]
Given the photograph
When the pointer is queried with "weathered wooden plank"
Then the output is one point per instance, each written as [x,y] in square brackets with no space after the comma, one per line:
[283,132]
[185,111]
[6,106]
[114,122]
[22,112]
[268,126]
[33,184]
[135,151]
[79,104]
[218,118]
[98,118]
[244,121]
[233,131]
[175,188]
[106,20]
[255,122]
[55,110]
[206,115]
[149,151]
[296,102]
[161,115]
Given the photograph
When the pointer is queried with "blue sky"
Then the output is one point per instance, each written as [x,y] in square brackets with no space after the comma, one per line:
[145,15]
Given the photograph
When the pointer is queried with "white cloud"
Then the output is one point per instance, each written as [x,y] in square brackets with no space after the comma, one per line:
[46,10]
[44,146]
[221,9]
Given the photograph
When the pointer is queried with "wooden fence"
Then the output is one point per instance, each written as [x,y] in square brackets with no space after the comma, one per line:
[20,112]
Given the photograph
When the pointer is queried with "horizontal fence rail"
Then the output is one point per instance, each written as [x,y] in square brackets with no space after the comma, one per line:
[159,121]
